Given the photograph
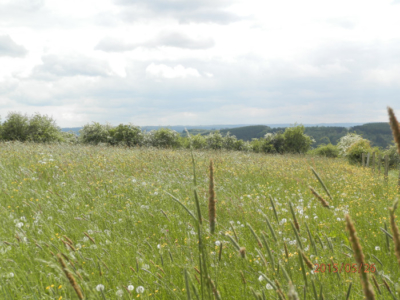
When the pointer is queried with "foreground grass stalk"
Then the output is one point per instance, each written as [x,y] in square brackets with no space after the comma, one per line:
[211,200]
[320,199]
[394,124]
[322,183]
[70,277]
[359,257]
[395,231]
[292,294]
[296,223]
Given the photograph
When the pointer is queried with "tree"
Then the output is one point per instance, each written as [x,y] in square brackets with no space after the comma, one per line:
[15,127]
[95,133]
[199,141]
[327,150]
[163,138]
[229,141]
[215,140]
[354,153]
[128,135]
[43,129]
[38,128]
[296,141]
[347,141]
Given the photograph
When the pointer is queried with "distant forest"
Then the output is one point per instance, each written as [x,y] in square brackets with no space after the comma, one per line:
[379,134]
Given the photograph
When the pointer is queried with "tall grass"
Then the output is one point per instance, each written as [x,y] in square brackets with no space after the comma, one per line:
[120,236]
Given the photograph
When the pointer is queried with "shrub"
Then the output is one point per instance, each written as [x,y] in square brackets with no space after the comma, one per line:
[163,138]
[327,151]
[69,137]
[42,129]
[354,153]
[199,141]
[95,133]
[215,140]
[229,142]
[296,141]
[38,128]
[346,142]
[255,145]
[15,127]
[128,135]
[394,158]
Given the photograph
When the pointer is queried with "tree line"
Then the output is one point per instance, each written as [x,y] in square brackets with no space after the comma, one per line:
[43,129]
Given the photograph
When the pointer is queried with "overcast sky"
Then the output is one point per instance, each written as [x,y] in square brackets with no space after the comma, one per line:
[199,62]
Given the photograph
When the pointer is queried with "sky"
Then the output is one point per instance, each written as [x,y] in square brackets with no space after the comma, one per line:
[200,62]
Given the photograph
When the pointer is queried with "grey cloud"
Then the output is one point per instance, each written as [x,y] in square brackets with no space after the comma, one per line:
[252,89]
[109,44]
[169,39]
[179,40]
[56,66]
[9,48]
[201,11]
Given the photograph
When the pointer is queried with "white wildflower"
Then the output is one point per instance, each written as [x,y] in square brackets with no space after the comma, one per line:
[19,224]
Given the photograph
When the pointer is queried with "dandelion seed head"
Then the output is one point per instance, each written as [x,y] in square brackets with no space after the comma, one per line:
[140,289]
[19,224]
[100,287]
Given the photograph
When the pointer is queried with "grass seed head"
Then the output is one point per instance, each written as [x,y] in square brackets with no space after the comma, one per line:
[359,257]
[320,199]
[395,231]
[211,199]
[394,124]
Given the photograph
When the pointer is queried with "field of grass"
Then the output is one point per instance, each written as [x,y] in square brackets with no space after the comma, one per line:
[121,236]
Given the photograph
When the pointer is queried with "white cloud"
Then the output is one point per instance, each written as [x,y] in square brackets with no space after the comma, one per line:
[9,48]
[206,61]
[163,71]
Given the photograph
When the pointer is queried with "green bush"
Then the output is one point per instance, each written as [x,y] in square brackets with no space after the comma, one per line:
[69,137]
[15,127]
[279,141]
[354,153]
[394,158]
[127,135]
[255,145]
[163,138]
[346,142]
[199,141]
[327,150]
[215,140]
[229,141]
[38,128]
[95,133]
[296,141]
[43,129]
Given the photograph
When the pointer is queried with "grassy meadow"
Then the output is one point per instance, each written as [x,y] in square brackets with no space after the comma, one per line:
[106,215]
